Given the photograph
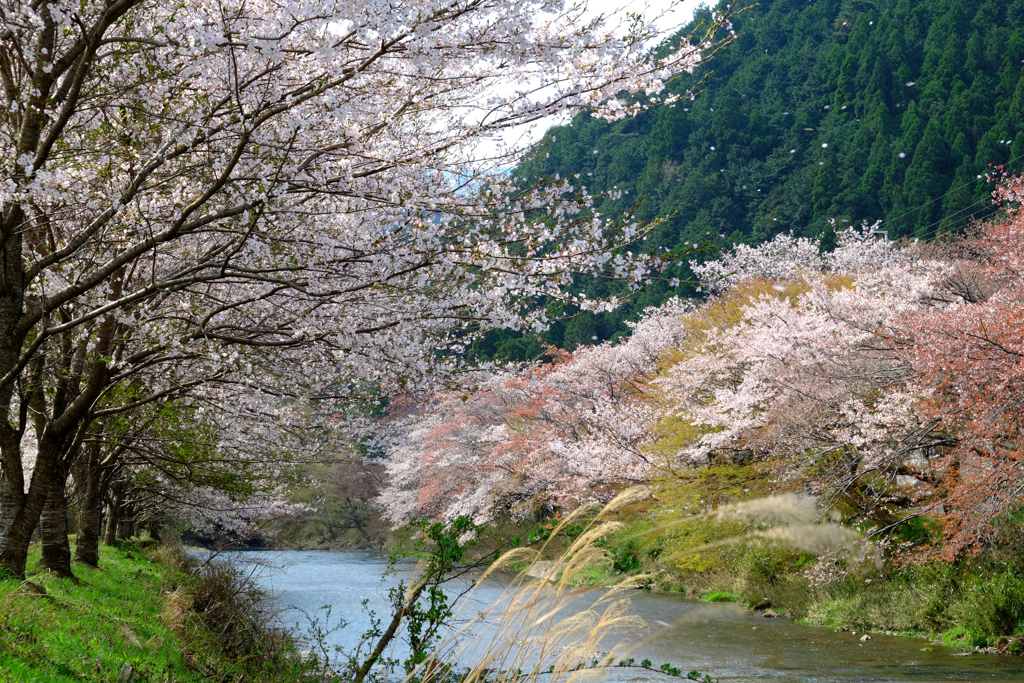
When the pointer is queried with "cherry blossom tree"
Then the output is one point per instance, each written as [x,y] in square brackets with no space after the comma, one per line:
[968,357]
[216,459]
[785,257]
[804,371]
[889,373]
[884,378]
[569,431]
[299,176]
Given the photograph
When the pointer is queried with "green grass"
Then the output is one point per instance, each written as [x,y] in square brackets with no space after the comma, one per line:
[594,575]
[719,596]
[963,636]
[89,631]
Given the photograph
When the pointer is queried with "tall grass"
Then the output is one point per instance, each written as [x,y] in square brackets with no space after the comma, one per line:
[545,627]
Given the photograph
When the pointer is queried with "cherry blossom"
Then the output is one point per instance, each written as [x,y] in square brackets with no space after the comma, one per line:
[564,433]
[296,186]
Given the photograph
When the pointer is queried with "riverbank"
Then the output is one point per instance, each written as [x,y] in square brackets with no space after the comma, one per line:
[147,614]
[975,603]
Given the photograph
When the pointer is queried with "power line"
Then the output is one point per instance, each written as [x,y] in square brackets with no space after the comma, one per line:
[986,201]
[991,211]
[932,201]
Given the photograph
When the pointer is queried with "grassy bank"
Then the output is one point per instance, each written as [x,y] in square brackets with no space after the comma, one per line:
[977,602]
[148,609]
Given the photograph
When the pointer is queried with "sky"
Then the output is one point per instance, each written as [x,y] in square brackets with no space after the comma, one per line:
[676,12]
[667,15]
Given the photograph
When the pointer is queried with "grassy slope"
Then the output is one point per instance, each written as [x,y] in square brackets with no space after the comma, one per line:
[90,631]
[976,602]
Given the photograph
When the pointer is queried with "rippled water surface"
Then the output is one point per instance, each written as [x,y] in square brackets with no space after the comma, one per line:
[724,640]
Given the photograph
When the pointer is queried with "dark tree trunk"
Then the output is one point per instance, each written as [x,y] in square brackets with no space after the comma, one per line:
[56,551]
[17,522]
[113,511]
[20,511]
[90,514]
[125,522]
[56,546]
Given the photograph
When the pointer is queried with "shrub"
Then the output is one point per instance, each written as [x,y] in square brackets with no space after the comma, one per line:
[719,596]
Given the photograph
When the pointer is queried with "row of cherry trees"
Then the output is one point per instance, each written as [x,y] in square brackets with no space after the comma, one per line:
[218,218]
[886,378]
[559,433]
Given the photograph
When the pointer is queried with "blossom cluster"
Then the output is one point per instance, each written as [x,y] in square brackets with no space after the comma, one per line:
[566,432]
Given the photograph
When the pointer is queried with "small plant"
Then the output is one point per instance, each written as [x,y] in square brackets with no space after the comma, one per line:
[719,596]
[962,636]
[625,558]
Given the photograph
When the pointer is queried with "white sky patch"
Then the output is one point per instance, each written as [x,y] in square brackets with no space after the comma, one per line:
[667,15]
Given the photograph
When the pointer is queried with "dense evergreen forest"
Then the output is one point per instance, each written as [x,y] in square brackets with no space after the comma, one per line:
[821,111]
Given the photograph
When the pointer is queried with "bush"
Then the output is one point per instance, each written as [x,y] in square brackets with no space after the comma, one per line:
[719,596]
[967,604]
[991,604]
[231,605]
[625,558]
[225,619]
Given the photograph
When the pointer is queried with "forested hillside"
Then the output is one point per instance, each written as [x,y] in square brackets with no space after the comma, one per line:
[844,110]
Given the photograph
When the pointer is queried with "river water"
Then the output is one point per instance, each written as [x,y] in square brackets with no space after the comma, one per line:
[723,640]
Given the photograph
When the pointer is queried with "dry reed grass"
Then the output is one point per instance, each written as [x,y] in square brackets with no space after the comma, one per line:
[177,605]
[544,628]
[788,520]
[538,627]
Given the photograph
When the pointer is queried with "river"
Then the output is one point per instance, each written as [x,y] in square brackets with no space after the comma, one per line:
[726,641]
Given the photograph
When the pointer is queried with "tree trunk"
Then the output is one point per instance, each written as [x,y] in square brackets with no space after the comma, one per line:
[17,522]
[125,522]
[20,511]
[90,515]
[113,509]
[56,551]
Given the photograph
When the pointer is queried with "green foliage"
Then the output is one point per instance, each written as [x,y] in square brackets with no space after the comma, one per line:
[505,346]
[719,596]
[918,530]
[423,608]
[580,330]
[625,557]
[968,603]
[338,515]
[767,567]
[963,636]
